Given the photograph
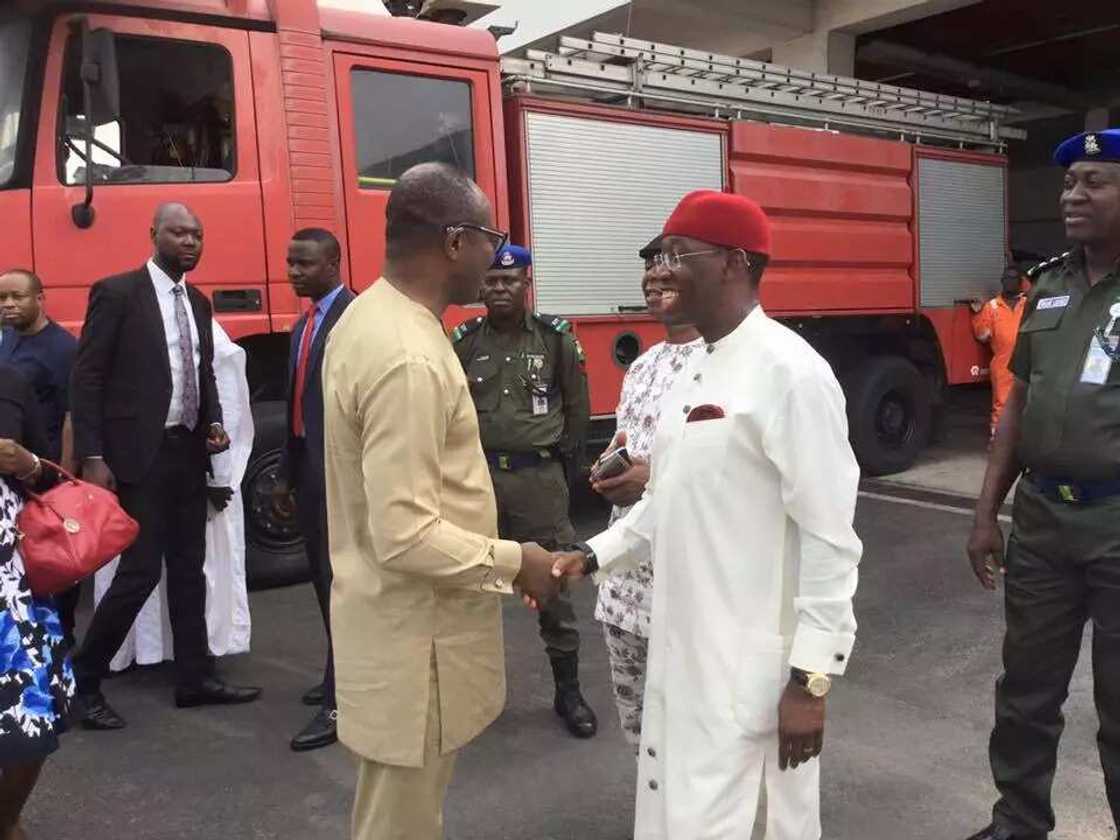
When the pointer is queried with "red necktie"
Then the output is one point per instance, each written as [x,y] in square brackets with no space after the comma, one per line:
[301,372]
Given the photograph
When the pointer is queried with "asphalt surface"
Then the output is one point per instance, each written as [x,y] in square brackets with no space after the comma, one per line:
[905,748]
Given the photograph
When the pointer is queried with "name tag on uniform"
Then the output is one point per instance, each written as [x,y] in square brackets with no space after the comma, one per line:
[1097,362]
[1058,302]
[540,405]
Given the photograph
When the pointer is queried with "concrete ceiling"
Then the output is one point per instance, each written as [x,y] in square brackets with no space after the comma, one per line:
[725,26]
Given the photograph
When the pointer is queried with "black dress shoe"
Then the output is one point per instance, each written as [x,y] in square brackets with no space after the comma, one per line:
[578,716]
[95,712]
[314,696]
[993,832]
[213,692]
[321,732]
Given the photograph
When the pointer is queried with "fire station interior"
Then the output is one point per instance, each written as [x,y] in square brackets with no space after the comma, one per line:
[1056,63]
[176,115]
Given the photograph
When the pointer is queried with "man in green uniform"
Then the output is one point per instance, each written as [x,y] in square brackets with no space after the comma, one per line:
[527,379]
[1061,430]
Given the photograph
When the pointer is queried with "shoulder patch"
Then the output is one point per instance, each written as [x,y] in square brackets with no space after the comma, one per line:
[466,328]
[1046,265]
[553,322]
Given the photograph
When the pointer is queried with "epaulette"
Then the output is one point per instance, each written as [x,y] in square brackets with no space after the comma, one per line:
[563,327]
[554,322]
[466,328]
[1035,272]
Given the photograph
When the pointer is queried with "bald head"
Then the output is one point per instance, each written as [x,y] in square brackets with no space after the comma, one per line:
[426,199]
[177,238]
[171,209]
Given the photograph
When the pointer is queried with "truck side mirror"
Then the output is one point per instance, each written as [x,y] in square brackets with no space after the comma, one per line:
[101,91]
[99,71]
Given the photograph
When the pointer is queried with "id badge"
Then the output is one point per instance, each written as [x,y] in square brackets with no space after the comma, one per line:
[540,405]
[1097,362]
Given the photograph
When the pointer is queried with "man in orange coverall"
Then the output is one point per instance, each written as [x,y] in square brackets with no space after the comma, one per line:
[996,323]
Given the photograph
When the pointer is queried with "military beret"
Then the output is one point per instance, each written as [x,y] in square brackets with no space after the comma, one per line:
[652,249]
[725,219]
[512,256]
[1092,145]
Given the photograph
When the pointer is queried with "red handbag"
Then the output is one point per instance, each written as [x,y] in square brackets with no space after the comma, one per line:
[69,532]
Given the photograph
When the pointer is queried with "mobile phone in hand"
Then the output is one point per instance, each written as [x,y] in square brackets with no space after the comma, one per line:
[615,463]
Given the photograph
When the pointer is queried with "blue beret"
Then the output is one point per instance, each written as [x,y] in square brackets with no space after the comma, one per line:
[512,256]
[1092,145]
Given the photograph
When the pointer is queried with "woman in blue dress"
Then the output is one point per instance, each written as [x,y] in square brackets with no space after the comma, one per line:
[35,679]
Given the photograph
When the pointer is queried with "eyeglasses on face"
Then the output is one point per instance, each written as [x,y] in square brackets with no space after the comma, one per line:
[674,261]
[499,238]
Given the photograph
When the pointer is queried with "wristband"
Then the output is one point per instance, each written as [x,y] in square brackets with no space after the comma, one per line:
[35,467]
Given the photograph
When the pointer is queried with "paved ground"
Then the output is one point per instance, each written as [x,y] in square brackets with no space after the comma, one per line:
[906,754]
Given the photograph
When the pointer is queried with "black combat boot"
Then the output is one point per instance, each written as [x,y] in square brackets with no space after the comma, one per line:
[569,704]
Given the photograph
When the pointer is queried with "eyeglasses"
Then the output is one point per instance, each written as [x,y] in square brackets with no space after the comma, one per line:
[500,238]
[674,262]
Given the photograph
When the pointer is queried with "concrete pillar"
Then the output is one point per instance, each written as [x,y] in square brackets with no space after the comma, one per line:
[819,52]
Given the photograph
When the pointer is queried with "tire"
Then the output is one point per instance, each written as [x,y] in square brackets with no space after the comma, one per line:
[889,414]
[274,553]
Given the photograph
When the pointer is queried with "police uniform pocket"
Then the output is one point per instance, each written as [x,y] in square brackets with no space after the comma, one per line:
[1043,319]
[482,375]
[762,676]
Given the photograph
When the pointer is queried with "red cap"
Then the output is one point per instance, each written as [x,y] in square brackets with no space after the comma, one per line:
[725,219]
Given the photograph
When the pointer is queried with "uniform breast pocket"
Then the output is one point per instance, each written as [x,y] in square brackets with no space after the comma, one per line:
[1043,320]
[482,375]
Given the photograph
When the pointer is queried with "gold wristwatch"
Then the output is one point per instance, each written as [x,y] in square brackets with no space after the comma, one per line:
[815,685]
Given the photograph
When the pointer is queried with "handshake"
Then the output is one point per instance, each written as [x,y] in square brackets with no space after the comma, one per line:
[544,574]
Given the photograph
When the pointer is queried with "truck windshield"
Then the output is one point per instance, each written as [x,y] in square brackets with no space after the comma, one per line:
[15,43]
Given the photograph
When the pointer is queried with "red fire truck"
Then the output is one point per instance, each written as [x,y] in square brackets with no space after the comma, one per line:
[270,115]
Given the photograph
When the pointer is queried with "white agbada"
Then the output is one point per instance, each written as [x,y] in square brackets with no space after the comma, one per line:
[749,520]
[227,600]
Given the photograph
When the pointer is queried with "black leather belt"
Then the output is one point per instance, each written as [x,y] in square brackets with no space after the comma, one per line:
[1074,492]
[177,432]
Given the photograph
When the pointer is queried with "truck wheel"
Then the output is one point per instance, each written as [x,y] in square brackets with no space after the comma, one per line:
[889,414]
[273,547]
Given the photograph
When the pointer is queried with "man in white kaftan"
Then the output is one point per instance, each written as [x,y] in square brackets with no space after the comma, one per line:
[227,601]
[748,516]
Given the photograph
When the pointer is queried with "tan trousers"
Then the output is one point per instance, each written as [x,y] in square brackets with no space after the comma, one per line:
[405,803]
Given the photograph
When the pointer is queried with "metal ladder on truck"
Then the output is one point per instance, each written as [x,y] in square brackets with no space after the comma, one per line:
[619,70]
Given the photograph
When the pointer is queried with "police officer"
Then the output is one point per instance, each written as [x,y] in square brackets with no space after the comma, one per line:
[527,380]
[1061,429]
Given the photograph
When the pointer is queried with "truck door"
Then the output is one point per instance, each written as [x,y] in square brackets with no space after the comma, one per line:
[16,127]
[185,131]
[394,115]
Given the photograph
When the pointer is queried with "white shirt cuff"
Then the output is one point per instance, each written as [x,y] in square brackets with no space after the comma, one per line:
[819,652]
[609,547]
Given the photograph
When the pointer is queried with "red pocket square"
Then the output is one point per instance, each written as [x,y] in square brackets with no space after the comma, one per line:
[705,412]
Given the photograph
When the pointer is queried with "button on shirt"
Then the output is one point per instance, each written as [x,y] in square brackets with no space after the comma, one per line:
[165,297]
[1070,428]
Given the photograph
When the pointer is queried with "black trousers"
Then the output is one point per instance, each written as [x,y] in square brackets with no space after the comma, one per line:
[1063,570]
[170,505]
[533,507]
[311,514]
[66,602]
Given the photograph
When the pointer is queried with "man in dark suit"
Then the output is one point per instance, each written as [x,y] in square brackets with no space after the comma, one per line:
[146,418]
[313,269]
